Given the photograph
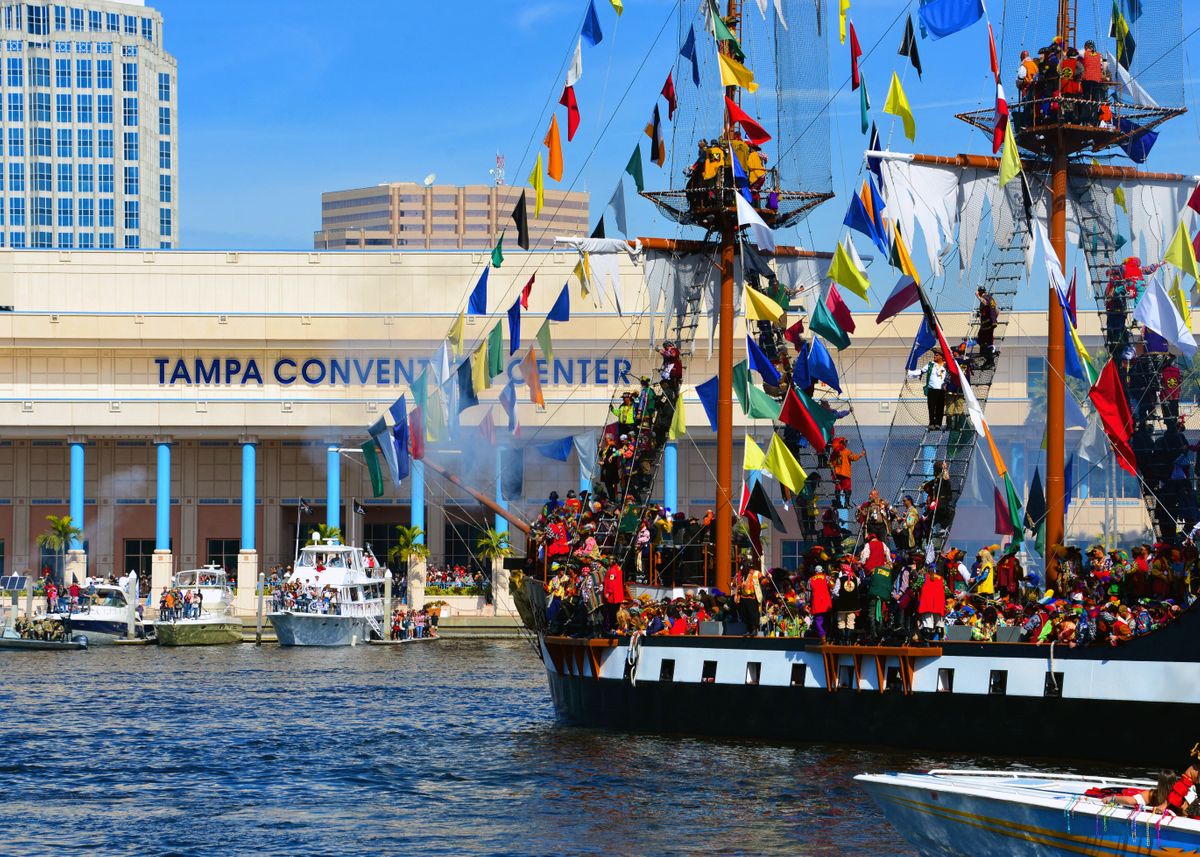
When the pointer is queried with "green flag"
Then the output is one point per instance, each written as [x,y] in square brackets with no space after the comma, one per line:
[544,342]
[435,417]
[864,104]
[722,34]
[495,351]
[1014,507]
[755,403]
[372,460]
[822,322]
[498,252]
[634,168]
[418,387]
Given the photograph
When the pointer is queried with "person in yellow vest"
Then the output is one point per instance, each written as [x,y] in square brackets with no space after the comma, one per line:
[985,581]
[741,151]
[756,167]
[714,164]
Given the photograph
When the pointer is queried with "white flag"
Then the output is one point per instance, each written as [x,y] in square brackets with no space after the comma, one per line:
[1157,311]
[576,70]
[617,203]
[1093,446]
[764,236]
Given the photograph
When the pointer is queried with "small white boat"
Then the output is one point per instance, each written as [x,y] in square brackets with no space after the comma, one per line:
[986,813]
[214,626]
[355,612]
[104,613]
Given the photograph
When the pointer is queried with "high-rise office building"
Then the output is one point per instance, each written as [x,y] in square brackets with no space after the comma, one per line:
[442,217]
[90,127]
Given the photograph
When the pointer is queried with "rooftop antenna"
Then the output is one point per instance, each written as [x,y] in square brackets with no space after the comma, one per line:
[498,173]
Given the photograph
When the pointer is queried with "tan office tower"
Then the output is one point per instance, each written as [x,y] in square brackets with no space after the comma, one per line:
[442,217]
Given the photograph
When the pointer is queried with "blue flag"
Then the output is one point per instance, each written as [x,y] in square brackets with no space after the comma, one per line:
[820,366]
[875,165]
[559,450]
[1074,363]
[943,17]
[739,178]
[801,378]
[1138,145]
[383,440]
[514,327]
[877,207]
[708,397]
[591,26]
[561,311]
[399,412]
[688,52]
[858,220]
[477,303]
[466,388]
[760,363]
[508,401]
[925,340]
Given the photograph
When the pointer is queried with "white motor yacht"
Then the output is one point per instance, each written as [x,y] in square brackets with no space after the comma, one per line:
[104,613]
[331,598]
[210,622]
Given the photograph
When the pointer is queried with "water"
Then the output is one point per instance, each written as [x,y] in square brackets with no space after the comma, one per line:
[437,748]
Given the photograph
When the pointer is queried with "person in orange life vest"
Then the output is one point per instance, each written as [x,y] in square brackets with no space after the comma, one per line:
[842,461]
[874,553]
[1092,72]
[820,600]
[614,596]
[931,605]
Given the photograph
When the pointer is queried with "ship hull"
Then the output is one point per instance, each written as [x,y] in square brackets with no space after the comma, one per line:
[217,632]
[312,629]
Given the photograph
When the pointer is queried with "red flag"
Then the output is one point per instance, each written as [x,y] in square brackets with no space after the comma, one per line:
[525,292]
[668,92]
[855,53]
[568,101]
[1108,396]
[797,416]
[745,497]
[992,51]
[1004,524]
[1001,119]
[838,309]
[755,133]
[903,296]
[793,333]
[416,433]
[1194,199]
[1196,244]
[1071,301]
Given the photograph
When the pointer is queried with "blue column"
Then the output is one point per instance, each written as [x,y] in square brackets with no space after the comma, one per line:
[249,484]
[76,507]
[333,487]
[501,523]
[162,497]
[671,477]
[416,487]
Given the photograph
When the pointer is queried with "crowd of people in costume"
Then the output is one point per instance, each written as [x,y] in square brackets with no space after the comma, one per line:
[1062,83]
[458,578]
[175,604]
[299,598]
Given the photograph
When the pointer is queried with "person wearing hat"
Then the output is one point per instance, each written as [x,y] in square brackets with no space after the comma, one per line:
[625,414]
[1092,74]
[671,371]
[931,605]
[646,401]
[936,378]
[879,593]
[988,313]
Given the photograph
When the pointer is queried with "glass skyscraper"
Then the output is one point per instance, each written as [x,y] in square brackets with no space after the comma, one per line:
[88,127]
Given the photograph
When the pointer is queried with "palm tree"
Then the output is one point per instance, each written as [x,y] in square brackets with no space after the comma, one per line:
[60,534]
[493,545]
[407,546]
[325,532]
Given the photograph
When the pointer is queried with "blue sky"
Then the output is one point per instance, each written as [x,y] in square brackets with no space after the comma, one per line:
[279,102]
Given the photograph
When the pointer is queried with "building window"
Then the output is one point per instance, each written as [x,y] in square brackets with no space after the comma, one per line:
[106,240]
[164,86]
[945,680]
[87,213]
[793,550]
[106,215]
[95,22]
[43,240]
[64,180]
[16,141]
[63,109]
[998,682]
[133,242]
[104,48]
[83,74]
[164,154]
[104,109]
[666,670]
[84,143]
[38,20]
[41,176]
[16,240]
[104,74]
[799,673]
[43,211]
[62,73]
[131,146]
[224,552]
[83,108]
[133,218]
[105,147]
[16,212]
[16,107]
[130,25]
[86,181]
[708,672]
[66,241]
[87,241]
[41,107]
[64,143]
[129,77]
[380,537]
[16,72]
[1035,372]
[164,121]
[129,112]
[164,188]
[76,20]
[112,22]
[60,18]
[16,177]
[66,211]
[148,29]
[164,221]
[41,142]
[131,181]
[164,245]
[460,540]
[139,555]
[39,71]
[753,672]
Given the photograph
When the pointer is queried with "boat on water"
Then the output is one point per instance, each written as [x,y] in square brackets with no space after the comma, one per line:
[104,613]
[13,641]
[333,597]
[999,813]
[211,624]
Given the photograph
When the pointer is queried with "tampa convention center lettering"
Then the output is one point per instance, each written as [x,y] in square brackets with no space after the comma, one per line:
[379,372]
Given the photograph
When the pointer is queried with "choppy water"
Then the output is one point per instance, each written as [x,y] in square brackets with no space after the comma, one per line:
[442,748]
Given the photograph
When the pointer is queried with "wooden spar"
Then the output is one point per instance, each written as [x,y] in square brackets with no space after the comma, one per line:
[484,500]
[683,245]
[1092,171]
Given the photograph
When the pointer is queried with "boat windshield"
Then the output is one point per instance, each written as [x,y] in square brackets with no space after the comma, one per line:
[322,559]
[212,578]
[109,598]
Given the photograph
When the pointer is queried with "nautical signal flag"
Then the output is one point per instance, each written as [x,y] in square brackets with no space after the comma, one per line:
[575,69]
[498,252]
[525,291]
[992,54]
[1010,157]
[568,101]
[822,322]
[1182,254]
[455,335]
[855,53]
[561,311]
[752,455]
[733,73]
[658,149]
[755,133]
[538,181]
[999,129]
[544,341]
[903,295]
[820,366]
[618,6]
[416,432]
[864,105]
[477,302]
[807,417]
[908,46]
[514,327]
[842,270]
[760,363]
[764,236]
[843,8]
[554,161]
[372,462]
[759,307]
[781,464]
[668,92]
[591,26]
[688,52]
[678,420]
[760,504]
[941,18]
[634,168]
[897,105]
[838,309]
[1118,29]
[756,404]
[520,217]
[1157,311]
[708,398]
[529,371]
[1108,397]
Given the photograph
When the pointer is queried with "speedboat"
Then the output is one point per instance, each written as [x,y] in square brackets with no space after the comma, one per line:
[985,813]
[104,613]
[331,598]
[213,626]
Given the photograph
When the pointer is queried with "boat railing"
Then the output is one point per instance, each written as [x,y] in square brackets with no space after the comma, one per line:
[1021,774]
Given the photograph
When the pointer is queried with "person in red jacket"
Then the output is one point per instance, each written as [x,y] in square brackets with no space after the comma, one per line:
[614,596]
[931,605]
[820,600]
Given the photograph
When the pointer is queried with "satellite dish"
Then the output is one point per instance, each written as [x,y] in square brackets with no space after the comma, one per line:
[429,179]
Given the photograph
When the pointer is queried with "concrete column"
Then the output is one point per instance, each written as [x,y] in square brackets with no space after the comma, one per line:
[247,564]
[502,601]
[416,583]
[333,486]
[161,564]
[25,554]
[416,487]
[76,561]
[671,477]
[501,523]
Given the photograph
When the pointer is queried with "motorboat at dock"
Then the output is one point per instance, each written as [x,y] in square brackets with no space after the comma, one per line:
[211,623]
[331,598]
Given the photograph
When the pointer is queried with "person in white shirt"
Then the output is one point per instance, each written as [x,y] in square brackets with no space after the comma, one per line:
[936,378]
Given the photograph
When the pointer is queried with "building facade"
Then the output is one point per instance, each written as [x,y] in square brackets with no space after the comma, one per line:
[187,407]
[90,147]
[411,216]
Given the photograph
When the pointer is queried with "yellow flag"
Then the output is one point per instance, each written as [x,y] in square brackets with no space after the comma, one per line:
[843,8]
[1181,301]
[733,73]
[752,455]
[780,462]
[618,5]
[583,270]
[554,162]
[1010,158]
[759,307]
[455,336]
[678,422]
[897,105]
[480,377]
[905,260]
[435,417]
[844,272]
[1119,198]
[1181,254]
[539,187]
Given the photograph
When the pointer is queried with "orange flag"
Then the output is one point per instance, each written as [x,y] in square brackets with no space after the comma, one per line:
[529,369]
[554,165]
